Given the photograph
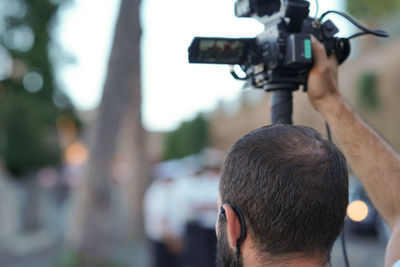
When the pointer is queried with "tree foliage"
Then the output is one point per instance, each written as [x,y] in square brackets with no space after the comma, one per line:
[188,139]
[30,102]
[368,96]
[372,9]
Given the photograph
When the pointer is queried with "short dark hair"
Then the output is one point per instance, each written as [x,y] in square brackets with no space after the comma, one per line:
[292,187]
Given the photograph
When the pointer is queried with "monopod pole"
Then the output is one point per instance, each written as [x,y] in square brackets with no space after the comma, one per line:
[281,107]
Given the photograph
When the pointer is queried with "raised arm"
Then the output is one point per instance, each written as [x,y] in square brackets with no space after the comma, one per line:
[372,159]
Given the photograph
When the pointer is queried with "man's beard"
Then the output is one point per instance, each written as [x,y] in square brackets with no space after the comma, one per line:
[225,255]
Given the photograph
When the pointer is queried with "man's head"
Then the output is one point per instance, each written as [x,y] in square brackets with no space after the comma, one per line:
[291,186]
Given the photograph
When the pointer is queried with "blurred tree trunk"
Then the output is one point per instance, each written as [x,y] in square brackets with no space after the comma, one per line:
[92,230]
[138,178]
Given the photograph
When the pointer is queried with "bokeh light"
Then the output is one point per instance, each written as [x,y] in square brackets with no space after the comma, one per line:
[357,211]
[33,81]
[76,154]
[20,38]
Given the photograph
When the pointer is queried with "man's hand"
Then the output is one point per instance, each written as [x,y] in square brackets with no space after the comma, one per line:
[322,81]
[373,160]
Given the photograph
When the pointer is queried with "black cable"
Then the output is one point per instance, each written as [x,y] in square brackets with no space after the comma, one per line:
[365,30]
[328,131]
[344,249]
[357,35]
[346,258]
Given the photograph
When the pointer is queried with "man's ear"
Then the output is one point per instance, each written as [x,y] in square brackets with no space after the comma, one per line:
[233,227]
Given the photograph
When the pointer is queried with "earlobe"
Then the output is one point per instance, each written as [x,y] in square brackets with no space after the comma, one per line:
[233,226]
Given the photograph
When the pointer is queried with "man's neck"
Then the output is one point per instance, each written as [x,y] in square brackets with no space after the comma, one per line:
[284,263]
[252,258]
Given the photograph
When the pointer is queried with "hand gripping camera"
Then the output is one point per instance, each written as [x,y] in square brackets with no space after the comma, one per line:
[279,59]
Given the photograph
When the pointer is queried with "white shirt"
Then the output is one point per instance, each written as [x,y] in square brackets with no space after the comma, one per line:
[196,197]
[156,208]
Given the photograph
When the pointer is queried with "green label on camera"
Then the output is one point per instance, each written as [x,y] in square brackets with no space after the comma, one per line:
[307,49]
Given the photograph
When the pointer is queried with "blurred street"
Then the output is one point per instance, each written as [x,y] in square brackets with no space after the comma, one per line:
[47,256]
[126,255]
[363,251]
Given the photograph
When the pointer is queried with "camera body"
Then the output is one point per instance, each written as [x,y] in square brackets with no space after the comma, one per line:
[280,57]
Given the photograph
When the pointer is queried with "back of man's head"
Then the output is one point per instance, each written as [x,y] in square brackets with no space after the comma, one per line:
[292,187]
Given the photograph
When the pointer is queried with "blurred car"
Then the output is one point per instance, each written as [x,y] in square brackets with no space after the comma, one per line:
[362,216]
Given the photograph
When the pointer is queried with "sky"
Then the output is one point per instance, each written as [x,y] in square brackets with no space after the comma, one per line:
[173,89]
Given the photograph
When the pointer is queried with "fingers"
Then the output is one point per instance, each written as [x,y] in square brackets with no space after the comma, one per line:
[319,52]
[322,79]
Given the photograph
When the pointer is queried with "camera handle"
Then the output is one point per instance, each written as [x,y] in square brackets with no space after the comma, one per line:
[281,107]
[281,102]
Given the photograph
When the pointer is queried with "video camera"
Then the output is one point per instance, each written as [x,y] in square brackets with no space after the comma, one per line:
[279,59]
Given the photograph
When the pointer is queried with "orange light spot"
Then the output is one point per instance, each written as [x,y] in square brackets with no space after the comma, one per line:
[76,154]
[357,211]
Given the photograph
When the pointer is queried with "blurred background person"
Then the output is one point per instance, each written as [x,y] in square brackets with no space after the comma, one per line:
[160,226]
[198,194]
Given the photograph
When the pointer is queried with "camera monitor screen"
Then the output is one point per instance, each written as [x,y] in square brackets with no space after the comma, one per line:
[219,50]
